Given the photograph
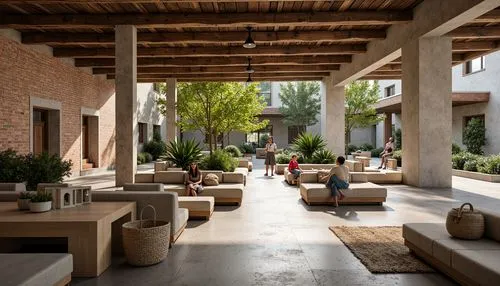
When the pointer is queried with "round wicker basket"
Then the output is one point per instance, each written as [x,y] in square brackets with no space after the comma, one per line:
[146,242]
[465,223]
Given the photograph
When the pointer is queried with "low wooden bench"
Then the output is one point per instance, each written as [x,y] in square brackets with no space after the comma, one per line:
[199,207]
[32,269]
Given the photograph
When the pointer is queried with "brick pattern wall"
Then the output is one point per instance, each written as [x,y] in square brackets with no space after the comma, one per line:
[24,73]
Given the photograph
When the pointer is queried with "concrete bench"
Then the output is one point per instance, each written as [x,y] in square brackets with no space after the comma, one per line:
[364,160]
[33,269]
[392,164]
[199,207]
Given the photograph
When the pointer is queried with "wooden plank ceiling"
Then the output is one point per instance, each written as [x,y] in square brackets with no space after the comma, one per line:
[202,40]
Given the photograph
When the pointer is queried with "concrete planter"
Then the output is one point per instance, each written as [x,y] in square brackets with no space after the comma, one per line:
[40,207]
[477,176]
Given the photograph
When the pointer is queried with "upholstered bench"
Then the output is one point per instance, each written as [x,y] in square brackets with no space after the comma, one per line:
[33,269]
[199,207]
[358,193]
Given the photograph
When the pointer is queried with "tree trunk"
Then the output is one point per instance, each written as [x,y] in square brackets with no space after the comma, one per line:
[222,144]
[210,142]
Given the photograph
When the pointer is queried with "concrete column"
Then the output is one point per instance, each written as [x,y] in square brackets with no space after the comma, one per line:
[172,130]
[126,103]
[426,112]
[387,126]
[335,117]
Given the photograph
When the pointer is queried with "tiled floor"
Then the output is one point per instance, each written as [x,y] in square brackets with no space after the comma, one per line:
[275,239]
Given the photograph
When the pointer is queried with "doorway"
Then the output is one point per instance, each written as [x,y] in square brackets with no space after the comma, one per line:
[40,131]
[90,142]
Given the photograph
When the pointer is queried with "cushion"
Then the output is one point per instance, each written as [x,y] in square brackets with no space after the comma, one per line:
[318,192]
[215,172]
[442,249]
[309,177]
[229,177]
[197,203]
[143,187]
[181,219]
[144,177]
[491,224]
[482,266]
[211,180]
[422,235]
[358,177]
[14,187]
[170,177]
[322,176]
[223,191]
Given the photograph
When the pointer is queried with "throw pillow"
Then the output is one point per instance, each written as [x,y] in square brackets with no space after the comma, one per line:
[211,180]
[322,176]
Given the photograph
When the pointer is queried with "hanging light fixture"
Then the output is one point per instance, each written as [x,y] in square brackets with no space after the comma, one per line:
[249,67]
[249,43]
[249,79]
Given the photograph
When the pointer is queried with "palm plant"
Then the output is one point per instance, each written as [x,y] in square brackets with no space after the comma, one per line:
[182,153]
[307,144]
[323,156]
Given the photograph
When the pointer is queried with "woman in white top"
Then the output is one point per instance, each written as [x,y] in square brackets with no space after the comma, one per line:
[270,158]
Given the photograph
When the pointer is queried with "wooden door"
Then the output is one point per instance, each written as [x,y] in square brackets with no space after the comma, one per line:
[85,140]
[38,137]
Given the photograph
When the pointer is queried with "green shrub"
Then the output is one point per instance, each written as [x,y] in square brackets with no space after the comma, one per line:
[398,155]
[459,160]
[351,148]
[323,156]
[490,165]
[263,140]
[143,158]
[455,149]
[182,153]
[376,152]
[471,165]
[45,168]
[307,144]
[366,147]
[41,197]
[247,148]
[233,150]
[398,139]
[475,136]
[283,158]
[155,147]
[219,160]
[12,167]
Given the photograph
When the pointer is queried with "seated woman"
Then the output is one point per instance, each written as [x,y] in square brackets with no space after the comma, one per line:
[389,146]
[338,179]
[193,183]
[293,167]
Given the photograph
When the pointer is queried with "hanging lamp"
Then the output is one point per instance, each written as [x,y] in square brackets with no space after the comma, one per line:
[249,42]
[249,67]
[249,79]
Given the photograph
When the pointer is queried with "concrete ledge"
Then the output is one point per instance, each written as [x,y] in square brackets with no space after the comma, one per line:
[477,176]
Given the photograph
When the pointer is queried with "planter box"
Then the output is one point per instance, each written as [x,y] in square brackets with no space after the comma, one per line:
[477,176]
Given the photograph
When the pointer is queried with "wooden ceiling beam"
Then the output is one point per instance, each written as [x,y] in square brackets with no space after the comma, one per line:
[202,37]
[475,32]
[455,58]
[239,79]
[219,75]
[474,46]
[178,20]
[216,51]
[231,70]
[391,67]
[492,16]
[17,2]
[219,61]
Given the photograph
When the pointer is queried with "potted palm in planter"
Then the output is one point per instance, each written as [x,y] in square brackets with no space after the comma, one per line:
[41,202]
[23,202]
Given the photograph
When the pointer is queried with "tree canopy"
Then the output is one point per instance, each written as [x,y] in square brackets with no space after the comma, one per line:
[301,103]
[216,108]
[360,96]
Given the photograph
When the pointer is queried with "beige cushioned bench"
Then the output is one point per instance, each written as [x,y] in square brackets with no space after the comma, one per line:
[280,168]
[470,262]
[359,192]
[199,207]
[34,269]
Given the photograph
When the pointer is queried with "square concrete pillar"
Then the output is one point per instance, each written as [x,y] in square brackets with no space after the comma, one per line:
[335,117]
[172,129]
[426,112]
[387,127]
[126,103]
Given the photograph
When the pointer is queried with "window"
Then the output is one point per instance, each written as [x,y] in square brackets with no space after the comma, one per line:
[254,137]
[294,131]
[265,91]
[469,118]
[390,90]
[473,66]
[143,132]
[157,129]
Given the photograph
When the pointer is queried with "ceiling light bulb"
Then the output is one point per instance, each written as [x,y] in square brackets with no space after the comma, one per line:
[249,42]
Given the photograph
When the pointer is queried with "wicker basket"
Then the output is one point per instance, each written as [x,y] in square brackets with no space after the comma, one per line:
[465,223]
[146,242]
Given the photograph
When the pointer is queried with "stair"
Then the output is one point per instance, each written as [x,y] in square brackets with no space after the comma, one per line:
[86,164]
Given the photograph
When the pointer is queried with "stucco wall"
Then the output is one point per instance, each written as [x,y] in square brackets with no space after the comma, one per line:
[147,111]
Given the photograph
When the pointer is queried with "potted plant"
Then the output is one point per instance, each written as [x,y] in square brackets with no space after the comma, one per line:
[41,202]
[23,202]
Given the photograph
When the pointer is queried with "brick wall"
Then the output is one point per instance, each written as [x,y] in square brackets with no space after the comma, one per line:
[24,73]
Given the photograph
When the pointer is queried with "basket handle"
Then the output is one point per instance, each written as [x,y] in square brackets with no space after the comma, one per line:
[154,217]
[461,210]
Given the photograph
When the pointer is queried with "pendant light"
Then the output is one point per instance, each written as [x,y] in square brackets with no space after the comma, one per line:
[249,79]
[249,43]
[249,69]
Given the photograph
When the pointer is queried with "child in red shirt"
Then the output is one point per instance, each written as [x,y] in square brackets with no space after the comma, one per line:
[293,167]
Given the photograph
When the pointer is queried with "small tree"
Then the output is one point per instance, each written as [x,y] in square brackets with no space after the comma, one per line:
[360,96]
[301,104]
[475,136]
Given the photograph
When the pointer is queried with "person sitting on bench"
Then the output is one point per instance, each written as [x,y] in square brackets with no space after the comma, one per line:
[338,179]
[293,167]
[389,146]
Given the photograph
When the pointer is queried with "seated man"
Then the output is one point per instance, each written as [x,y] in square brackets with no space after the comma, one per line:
[338,179]
[389,146]
[293,167]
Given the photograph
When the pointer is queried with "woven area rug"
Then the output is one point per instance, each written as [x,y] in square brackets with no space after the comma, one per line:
[380,249]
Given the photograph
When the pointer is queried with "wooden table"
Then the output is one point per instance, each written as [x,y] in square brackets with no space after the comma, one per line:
[88,230]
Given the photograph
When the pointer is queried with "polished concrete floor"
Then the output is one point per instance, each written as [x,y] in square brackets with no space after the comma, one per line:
[275,239]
